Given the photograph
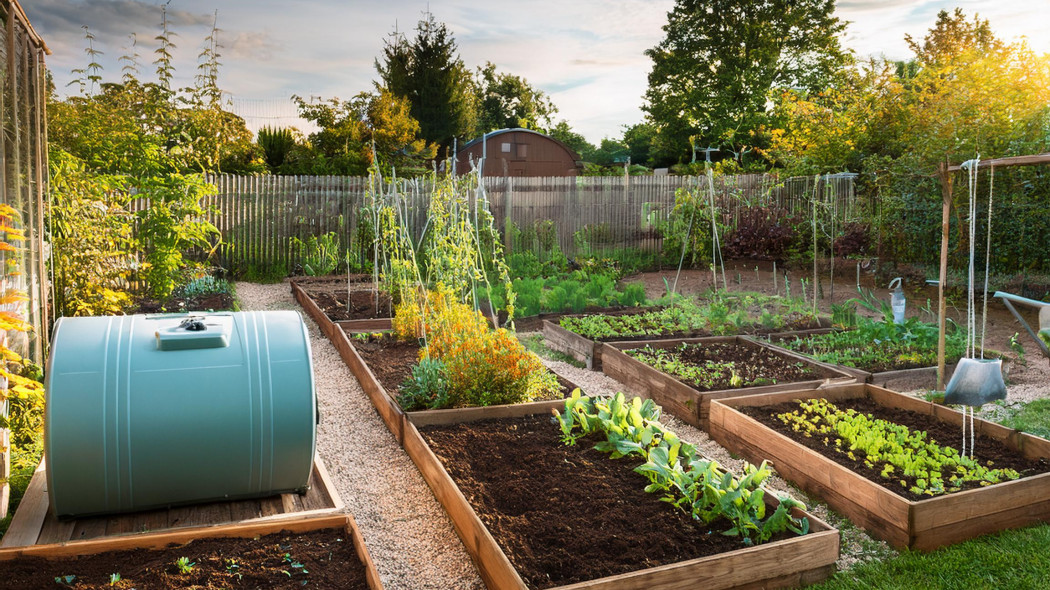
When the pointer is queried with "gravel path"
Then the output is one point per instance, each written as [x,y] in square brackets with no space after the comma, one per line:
[406,531]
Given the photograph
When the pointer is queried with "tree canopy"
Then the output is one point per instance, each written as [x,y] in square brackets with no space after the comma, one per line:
[429,73]
[714,70]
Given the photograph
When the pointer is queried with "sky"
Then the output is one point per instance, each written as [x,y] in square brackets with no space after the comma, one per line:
[588,55]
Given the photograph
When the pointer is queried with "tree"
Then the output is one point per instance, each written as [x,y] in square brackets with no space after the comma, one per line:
[578,143]
[639,141]
[429,73]
[714,70]
[507,101]
[349,130]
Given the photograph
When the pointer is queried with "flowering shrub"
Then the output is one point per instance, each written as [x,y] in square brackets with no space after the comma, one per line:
[482,366]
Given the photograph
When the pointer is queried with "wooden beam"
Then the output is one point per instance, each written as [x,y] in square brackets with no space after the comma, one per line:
[1029,160]
[946,194]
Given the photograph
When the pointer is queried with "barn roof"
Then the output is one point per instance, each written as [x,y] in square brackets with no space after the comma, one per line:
[499,132]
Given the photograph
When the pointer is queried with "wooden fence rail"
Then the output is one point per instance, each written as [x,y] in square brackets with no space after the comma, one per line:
[259,216]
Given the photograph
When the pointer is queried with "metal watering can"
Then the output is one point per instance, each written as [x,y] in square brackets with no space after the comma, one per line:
[897,301]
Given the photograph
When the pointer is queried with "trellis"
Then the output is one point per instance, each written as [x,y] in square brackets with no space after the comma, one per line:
[23,182]
[945,171]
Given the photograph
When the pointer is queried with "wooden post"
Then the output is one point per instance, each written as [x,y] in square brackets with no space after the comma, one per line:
[946,193]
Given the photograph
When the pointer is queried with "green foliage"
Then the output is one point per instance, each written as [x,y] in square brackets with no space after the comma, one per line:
[506,101]
[729,314]
[173,222]
[184,565]
[710,88]
[685,480]
[1010,559]
[880,345]
[906,458]
[320,255]
[1032,417]
[92,247]
[205,285]
[428,387]
[429,73]
[276,144]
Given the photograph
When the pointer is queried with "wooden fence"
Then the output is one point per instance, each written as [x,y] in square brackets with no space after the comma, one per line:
[259,216]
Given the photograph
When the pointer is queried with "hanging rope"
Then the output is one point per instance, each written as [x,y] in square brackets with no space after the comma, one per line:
[971,319]
[971,312]
[987,257]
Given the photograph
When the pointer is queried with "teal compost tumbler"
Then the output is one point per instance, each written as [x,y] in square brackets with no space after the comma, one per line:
[149,411]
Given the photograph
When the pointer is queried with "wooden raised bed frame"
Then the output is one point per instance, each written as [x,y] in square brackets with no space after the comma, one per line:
[917,524]
[589,351]
[185,535]
[792,562]
[684,402]
[898,380]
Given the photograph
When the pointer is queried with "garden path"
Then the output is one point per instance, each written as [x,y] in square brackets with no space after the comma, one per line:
[406,531]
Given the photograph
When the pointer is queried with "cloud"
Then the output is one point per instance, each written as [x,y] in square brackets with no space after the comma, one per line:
[253,45]
[56,19]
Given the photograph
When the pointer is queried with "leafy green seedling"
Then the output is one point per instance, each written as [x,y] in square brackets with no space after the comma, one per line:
[65,580]
[185,565]
[113,579]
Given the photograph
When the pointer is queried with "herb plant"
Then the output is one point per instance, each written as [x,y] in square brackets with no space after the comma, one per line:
[904,457]
[184,565]
[690,483]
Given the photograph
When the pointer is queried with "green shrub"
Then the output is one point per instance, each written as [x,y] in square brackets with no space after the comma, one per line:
[427,388]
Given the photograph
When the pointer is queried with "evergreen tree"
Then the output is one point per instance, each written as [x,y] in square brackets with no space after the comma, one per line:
[429,73]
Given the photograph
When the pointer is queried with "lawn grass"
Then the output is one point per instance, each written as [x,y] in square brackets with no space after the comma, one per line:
[1012,559]
[1033,418]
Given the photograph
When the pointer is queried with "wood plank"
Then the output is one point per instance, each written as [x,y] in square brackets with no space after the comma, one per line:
[1028,160]
[25,525]
[163,539]
[496,570]
[461,415]
[368,325]
[371,573]
[571,343]
[750,567]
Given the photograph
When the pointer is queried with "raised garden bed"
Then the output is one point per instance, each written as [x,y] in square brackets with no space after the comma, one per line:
[323,551]
[348,301]
[394,367]
[687,401]
[900,357]
[561,553]
[922,524]
[588,350]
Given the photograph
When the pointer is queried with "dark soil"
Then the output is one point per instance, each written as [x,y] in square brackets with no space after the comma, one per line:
[391,361]
[754,365]
[988,449]
[325,559]
[566,514]
[346,298]
[213,302]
